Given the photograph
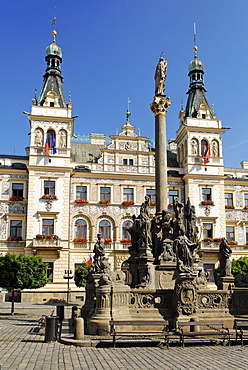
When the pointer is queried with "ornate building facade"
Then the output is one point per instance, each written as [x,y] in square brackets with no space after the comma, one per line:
[55,200]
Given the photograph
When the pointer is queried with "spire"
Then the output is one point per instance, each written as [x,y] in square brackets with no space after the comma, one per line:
[197,97]
[52,78]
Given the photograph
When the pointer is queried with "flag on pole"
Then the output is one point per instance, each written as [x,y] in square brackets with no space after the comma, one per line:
[46,146]
[90,260]
[54,145]
[206,156]
[53,21]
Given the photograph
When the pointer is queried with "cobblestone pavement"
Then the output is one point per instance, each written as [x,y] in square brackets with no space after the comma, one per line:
[22,349]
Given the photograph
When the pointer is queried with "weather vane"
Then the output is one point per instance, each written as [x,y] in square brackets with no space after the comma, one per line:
[195,47]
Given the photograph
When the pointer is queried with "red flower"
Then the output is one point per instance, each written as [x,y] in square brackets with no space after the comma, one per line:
[80,240]
[104,201]
[81,201]
[127,240]
[107,241]
[127,203]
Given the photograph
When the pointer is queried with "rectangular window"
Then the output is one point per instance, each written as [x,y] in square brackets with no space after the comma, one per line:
[246,234]
[130,162]
[151,194]
[15,228]
[47,226]
[49,187]
[49,271]
[207,231]
[230,236]
[173,194]
[125,161]
[81,192]
[128,194]
[17,190]
[209,269]
[105,193]
[206,194]
[229,199]
[246,199]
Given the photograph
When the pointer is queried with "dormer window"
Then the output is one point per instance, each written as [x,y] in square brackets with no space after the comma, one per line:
[130,162]
[51,104]
[125,162]
[203,116]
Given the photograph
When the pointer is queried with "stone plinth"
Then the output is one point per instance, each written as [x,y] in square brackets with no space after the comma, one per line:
[226,282]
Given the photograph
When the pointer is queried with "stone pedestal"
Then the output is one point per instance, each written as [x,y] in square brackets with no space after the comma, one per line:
[112,302]
[166,275]
[226,282]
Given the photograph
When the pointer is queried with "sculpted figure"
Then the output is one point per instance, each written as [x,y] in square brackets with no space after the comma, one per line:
[62,139]
[38,137]
[160,76]
[99,254]
[184,250]
[144,224]
[190,218]
[225,252]
[215,148]
[194,147]
[133,231]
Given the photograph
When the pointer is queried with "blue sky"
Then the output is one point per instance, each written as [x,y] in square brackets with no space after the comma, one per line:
[110,51]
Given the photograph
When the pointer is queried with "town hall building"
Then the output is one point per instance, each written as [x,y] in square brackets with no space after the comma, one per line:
[56,199]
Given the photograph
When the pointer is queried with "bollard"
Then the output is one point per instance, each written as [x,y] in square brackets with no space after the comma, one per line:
[61,312]
[51,329]
[194,328]
[79,328]
[74,308]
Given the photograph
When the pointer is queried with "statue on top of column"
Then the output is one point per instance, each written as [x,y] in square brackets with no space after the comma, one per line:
[160,76]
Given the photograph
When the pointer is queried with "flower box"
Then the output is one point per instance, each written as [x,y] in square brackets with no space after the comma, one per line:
[207,240]
[47,237]
[126,241]
[217,240]
[170,205]
[153,203]
[246,207]
[14,239]
[232,243]
[127,203]
[107,241]
[207,203]
[16,199]
[229,206]
[104,201]
[81,201]
[80,240]
[49,197]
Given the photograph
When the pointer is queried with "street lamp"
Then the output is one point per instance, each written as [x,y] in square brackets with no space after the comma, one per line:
[68,275]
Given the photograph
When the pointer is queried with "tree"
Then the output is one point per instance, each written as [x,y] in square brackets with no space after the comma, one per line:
[81,274]
[22,272]
[239,266]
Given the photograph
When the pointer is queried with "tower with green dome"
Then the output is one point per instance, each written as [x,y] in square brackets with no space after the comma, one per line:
[53,79]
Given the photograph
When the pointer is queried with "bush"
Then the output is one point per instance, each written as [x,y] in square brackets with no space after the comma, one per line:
[239,266]
[81,274]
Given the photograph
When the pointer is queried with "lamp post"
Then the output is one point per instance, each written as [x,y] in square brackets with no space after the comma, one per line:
[68,275]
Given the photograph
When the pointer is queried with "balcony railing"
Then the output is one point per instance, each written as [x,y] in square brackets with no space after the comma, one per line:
[46,243]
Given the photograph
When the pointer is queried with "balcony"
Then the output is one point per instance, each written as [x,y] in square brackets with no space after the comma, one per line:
[52,242]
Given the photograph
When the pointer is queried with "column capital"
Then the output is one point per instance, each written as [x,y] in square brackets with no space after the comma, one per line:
[160,105]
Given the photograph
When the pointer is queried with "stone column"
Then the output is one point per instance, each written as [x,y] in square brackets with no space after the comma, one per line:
[159,108]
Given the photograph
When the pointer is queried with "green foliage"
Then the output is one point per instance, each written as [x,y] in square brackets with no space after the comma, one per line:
[22,272]
[81,274]
[239,266]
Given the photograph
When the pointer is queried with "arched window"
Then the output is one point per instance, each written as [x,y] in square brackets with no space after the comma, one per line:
[105,229]
[80,229]
[204,147]
[125,227]
[50,138]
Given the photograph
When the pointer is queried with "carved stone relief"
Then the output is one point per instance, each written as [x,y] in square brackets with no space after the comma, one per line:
[117,193]
[110,159]
[239,199]
[93,192]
